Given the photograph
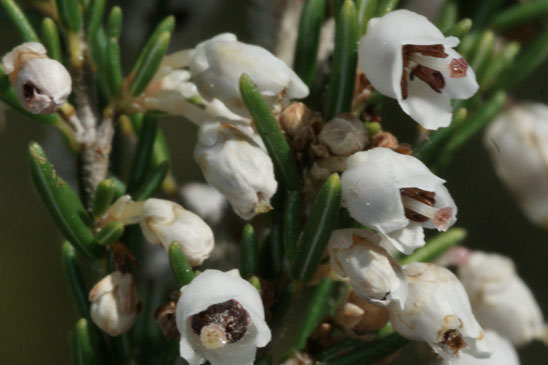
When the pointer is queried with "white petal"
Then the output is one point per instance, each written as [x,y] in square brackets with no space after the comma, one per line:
[8,61]
[407,239]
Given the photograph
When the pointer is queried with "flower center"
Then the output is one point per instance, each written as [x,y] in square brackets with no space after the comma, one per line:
[221,324]
[419,207]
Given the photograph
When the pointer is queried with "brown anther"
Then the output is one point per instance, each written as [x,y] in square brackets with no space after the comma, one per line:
[453,339]
[229,315]
[404,149]
[28,90]
[385,139]
[426,197]
[432,77]
[165,315]
[433,50]
[458,67]
[123,258]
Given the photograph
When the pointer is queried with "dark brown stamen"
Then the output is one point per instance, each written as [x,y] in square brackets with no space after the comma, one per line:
[28,90]
[433,78]
[426,197]
[453,339]
[433,50]
[458,67]
[230,315]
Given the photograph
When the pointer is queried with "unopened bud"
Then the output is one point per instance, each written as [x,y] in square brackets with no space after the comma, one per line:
[344,135]
[299,122]
[41,84]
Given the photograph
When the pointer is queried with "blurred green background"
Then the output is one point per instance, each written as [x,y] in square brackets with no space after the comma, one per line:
[36,312]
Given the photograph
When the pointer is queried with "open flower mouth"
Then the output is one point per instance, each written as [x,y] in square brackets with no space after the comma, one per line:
[419,207]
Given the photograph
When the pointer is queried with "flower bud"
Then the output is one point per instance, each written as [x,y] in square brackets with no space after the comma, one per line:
[359,317]
[344,135]
[204,200]
[221,319]
[500,299]
[164,222]
[41,84]
[115,303]
[397,196]
[437,311]
[300,123]
[374,274]
[518,144]
[233,159]
[406,57]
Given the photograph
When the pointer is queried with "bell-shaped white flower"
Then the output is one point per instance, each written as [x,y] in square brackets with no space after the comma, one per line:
[374,274]
[115,303]
[406,57]
[343,135]
[204,200]
[41,84]
[217,64]
[500,299]
[518,143]
[234,160]
[397,195]
[437,311]
[220,317]
[502,353]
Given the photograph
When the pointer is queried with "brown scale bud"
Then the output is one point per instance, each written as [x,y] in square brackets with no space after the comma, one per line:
[344,135]
[165,315]
[385,139]
[358,316]
[300,123]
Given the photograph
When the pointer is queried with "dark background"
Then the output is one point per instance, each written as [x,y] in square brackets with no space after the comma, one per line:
[36,312]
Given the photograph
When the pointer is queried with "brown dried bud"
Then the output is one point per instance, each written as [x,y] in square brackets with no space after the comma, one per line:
[358,316]
[344,135]
[165,315]
[299,122]
[385,139]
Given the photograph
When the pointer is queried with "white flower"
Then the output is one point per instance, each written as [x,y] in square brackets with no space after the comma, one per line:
[502,353]
[437,311]
[500,299]
[217,64]
[220,317]
[518,142]
[407,58]
[374,274]
[204,200]
[344,135]
[115,303]
[41,84]
[234,160]
[164,222]
[396,195]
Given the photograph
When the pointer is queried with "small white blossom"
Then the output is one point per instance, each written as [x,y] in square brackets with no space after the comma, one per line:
[343,135]
[500,299]
[407,58]
[115,303]
[374,274]
[397,195]
[220,317]
[518,143]
[234,160]
[217,64]
[41,84]
[437,311]
[204,200]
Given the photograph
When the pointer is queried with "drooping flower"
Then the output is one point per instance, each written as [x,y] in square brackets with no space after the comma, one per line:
[396,195]
[406,57]
[41,84]
[374,274]
[220,317]
[217,64]
[437,311]
[518,144]
[115,303]
[500,299]
[234,160]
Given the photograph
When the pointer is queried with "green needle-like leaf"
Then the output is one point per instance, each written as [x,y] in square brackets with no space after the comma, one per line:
[366,10]
[448,16]
[484,10]
[110,233]
[95,17]
[460,29]
[84,351]
[483,50]
[100,56]
[521,13]
[272,255]
[143,153]
[50,38]
[62,202]
[343,73]
[370,352]
[291,223]
[500,63]
[152,183]
[306,51]
[322,220]
[104,194]
[114,66]
[69,12]
[249,252]
[18,18]
[386,6]
[114,22]
[179,265]
[272,136]
[435,246]
[73,273]
[150,63]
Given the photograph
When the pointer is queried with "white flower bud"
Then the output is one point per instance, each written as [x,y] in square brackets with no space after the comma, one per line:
[115,303]
[164,222]
[397,195]
[344,135]
[437,311]
[500,299]
[518,143]
[407,58]
[502,353]
[220,317]
[233,159]
[41,84]
[374,274]
[217,64]
[204,200]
